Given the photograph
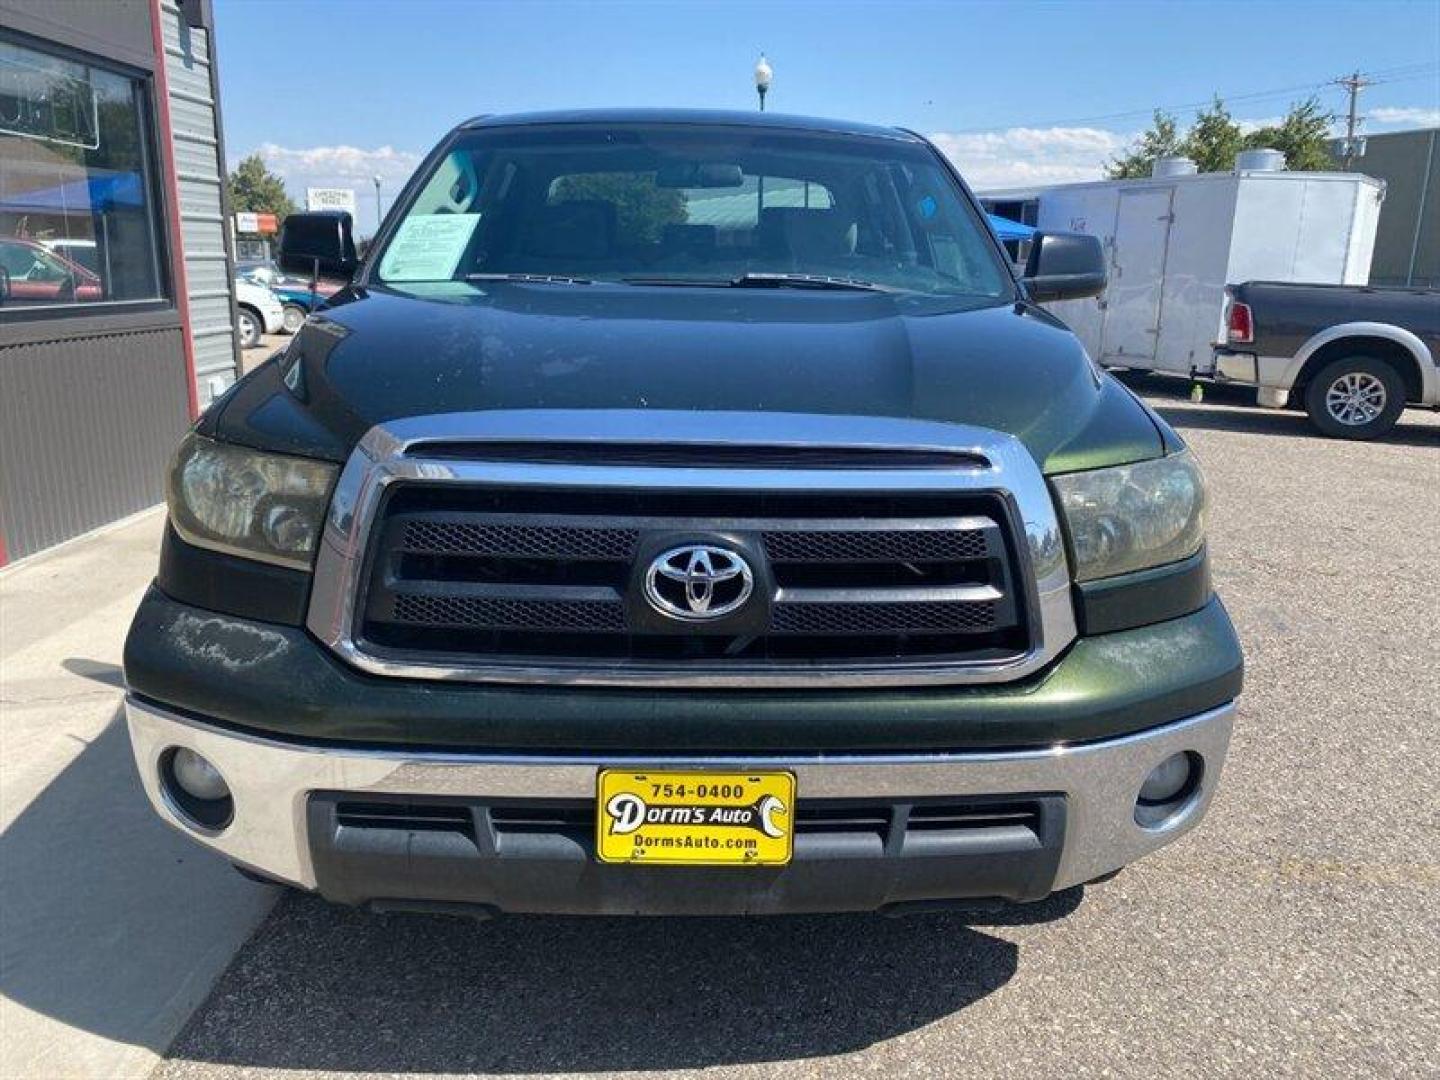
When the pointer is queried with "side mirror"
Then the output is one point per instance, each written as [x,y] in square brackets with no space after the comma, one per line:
[320,244]
[1064,266]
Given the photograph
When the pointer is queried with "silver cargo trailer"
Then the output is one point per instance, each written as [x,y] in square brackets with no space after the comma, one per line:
[1175,241]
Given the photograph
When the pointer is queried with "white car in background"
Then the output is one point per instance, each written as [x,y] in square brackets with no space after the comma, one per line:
[258,311]
[84,252]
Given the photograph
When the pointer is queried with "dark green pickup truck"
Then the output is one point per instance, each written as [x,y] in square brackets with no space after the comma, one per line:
[682,513]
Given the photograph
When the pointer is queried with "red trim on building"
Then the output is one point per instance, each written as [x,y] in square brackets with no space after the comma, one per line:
[172,192]
[4,555]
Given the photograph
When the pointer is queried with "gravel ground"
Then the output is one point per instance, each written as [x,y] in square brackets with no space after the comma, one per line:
[1297,932]
[252,358]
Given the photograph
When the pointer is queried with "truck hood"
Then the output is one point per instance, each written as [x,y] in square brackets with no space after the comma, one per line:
[374,355]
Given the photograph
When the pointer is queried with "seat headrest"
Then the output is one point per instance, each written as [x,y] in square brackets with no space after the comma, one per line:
[683,237]
[582,229]
[804,232]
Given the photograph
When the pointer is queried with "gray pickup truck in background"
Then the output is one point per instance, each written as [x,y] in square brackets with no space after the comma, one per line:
[1353,356]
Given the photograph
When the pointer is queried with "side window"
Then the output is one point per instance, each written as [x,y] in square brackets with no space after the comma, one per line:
[439,229]
[77,221]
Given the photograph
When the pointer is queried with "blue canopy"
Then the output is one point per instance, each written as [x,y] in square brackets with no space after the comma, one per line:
[97,193]
[1006,229]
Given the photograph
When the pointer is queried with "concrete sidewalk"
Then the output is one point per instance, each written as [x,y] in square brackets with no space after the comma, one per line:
[112,927]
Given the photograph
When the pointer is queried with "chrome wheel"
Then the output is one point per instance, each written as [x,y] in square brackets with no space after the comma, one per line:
[249,330]
[1356,398]
[294,318]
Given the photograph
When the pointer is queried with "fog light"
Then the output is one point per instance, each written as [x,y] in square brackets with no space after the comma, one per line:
[195,790]
[1166,780]
[197,777]
[1168,789]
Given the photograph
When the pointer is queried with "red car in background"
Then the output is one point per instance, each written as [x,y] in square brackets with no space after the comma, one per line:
[31,273]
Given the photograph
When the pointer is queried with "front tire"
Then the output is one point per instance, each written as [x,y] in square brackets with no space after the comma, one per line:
[1355,397]
[293,319]
[250,328]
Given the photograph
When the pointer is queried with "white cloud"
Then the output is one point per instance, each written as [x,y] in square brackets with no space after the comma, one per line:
[1388,116]
[1020,157]
[1013,157]
[339,166]
[1030,157]
[1247,126]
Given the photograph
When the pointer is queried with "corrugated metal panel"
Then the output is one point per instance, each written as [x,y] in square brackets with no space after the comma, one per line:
[86,427]
[194,157]
[209,315]
[208,276]
[202,225]
[202,238]
[175,34]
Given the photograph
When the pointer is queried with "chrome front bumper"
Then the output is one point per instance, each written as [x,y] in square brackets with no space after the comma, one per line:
[271,783]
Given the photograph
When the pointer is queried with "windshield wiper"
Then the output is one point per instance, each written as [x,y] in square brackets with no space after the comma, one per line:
[532,279]
[761,280]
[765,280]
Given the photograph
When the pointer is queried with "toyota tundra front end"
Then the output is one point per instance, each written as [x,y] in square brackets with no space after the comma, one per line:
[682,513]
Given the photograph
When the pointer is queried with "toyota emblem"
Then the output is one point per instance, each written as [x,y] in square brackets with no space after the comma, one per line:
[698,582]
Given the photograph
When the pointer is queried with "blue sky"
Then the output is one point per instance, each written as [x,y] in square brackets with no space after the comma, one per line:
[334,91]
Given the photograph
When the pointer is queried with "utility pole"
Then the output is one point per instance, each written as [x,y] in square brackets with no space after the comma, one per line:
[1354,147]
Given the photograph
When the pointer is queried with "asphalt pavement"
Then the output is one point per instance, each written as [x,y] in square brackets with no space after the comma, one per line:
[1297,932]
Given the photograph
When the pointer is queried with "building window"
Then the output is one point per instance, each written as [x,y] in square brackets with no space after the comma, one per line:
[77,211]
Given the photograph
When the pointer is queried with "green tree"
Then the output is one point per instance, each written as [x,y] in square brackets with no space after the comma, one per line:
[1214,139]
[1162,140]
[1302,136]
[642,209]
[255,189]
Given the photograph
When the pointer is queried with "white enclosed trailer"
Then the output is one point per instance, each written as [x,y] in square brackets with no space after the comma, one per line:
[1174,243]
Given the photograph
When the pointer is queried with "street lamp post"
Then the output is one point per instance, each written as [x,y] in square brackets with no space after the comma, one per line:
[764,75]
[379,209]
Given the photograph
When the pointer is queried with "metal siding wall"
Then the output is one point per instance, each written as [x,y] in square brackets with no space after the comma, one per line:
[202,222]
[1403,159]
[1425,246]
[86,426]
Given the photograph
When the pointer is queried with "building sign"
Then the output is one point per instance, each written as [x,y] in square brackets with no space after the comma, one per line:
[330,198]
[42,102]
[246,222]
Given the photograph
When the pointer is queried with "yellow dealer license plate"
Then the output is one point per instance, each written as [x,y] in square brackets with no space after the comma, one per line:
[695,818]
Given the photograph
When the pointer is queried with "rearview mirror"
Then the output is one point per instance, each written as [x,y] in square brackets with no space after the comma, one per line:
[319,244]
[1064,266]
[699,174]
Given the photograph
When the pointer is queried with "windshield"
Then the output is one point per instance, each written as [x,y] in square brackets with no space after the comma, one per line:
[693,205]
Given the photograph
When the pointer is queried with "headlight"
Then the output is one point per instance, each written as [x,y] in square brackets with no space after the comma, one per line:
[246,502]
[1133,516]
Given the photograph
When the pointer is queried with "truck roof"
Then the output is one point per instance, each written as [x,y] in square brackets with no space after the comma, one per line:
[690,117]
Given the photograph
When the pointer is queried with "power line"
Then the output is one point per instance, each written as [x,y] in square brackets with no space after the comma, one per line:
[1397,74]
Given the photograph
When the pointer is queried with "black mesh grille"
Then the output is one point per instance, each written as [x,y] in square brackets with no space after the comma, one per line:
[539,541]
[528,575]
[876,546]
[953,617]
[468,612]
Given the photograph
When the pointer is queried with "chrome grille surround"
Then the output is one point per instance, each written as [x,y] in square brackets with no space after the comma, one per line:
[395,453]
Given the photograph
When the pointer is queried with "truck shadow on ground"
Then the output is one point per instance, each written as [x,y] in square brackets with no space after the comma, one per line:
[1285,423]
[330,989]
[105,908]
[1233,408]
